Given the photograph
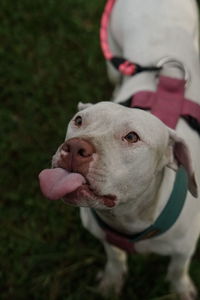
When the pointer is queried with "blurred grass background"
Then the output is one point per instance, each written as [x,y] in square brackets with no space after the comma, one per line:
[50,59]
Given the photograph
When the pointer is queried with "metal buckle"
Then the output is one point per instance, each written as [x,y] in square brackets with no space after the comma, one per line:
[176,63]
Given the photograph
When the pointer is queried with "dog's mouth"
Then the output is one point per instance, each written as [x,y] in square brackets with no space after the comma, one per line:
[73,188]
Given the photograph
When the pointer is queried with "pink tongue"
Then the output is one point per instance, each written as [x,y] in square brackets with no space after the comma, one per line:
[56,183]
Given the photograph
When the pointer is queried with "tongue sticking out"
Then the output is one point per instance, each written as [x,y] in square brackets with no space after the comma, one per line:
[57,183]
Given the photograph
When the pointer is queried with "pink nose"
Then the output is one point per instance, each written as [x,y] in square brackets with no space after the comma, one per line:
[79,154]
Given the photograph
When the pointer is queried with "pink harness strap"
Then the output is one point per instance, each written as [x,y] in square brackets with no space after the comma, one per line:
[104,29]
[167,102]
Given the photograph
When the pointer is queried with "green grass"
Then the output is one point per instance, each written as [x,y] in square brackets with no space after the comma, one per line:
[50,60]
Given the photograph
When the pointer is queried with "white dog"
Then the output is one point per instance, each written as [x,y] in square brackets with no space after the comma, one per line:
[122,161]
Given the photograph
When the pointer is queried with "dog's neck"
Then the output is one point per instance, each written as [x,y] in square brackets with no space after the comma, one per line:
[132,85]
[137,214]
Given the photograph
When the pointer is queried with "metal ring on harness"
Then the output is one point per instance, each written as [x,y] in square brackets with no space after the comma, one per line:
[175,63]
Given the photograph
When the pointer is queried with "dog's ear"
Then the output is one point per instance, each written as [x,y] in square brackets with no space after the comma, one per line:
[180,155]
[82,106]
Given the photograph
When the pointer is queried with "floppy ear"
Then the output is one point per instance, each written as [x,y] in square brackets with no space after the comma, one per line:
[82,106]
[180,155]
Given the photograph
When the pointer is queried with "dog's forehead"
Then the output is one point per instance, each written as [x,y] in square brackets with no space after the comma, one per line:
[116,117]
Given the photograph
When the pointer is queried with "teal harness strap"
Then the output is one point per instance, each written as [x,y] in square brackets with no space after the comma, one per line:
[164,222]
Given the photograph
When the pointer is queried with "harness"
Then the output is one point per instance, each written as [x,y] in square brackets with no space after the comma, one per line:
[168,103]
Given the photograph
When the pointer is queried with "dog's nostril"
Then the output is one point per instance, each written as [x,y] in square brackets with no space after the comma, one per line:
[83,152]
[66,148]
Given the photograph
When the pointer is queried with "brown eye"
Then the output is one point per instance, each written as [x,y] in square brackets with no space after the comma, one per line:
[132,137]
[78,121]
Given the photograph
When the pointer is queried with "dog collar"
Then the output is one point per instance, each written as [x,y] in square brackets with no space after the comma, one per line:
[163,223]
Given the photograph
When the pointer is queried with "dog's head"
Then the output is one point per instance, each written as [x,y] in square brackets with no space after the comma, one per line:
[110,156]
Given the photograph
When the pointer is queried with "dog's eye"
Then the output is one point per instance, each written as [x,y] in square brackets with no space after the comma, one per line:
[78,121]
[132,137]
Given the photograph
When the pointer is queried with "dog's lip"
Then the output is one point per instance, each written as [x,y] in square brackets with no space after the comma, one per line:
[86,191]
[74,187]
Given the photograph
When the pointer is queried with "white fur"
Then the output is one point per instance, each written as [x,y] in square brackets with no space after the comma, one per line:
[144,31]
